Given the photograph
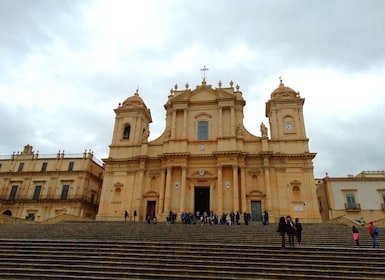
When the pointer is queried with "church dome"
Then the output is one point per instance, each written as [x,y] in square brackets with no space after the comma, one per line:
[134,100]
[283,91]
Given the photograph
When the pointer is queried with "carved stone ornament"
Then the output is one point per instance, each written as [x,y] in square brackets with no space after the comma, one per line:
[201,171]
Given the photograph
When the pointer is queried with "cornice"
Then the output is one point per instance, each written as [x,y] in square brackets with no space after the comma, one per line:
[353,179]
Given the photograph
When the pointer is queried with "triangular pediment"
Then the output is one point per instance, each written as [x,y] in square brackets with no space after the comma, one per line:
[206,93]
[203,93]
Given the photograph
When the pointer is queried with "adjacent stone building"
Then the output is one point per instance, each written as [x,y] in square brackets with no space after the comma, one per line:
[357,198]
[206,159]
[45,187]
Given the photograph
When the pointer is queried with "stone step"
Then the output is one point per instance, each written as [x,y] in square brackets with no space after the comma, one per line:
[192,256]
[250,261]
[119,250]
[257,234]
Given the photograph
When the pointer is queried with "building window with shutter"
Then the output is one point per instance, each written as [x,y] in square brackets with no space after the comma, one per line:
[64,192]
[44,166]
[71,166]
[21,166]
[36,194]
[351,201]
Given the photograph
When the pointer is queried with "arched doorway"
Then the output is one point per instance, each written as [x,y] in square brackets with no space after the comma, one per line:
[7,213]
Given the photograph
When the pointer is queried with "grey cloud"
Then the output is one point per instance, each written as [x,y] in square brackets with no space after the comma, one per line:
[342,35]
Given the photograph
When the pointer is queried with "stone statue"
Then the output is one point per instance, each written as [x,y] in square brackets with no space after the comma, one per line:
[263,130]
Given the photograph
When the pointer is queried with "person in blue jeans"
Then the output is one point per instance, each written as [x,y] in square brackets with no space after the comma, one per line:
[373,231]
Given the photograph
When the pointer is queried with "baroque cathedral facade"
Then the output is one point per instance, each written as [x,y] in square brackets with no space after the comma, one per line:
[206,159]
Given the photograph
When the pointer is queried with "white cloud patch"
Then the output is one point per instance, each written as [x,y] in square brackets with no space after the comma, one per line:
[66,65]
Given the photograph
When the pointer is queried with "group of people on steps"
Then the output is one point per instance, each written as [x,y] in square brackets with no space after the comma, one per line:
[288,227]
[373,232]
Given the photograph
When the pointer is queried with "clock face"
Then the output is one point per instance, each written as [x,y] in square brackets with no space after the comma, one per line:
[288,126]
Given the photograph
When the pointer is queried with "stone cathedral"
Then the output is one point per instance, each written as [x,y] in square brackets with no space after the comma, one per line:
[206,160]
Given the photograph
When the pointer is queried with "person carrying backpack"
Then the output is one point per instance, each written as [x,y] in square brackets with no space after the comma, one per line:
[373,231]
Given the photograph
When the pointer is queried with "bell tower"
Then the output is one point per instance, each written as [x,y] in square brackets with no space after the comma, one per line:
[131,128]
[285,113]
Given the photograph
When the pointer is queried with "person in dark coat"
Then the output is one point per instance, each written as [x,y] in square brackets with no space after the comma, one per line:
[298,226]
[265,217]
[291,230]
[282,231]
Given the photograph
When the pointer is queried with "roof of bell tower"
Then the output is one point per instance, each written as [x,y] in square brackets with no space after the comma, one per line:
[283,91]
[134,100]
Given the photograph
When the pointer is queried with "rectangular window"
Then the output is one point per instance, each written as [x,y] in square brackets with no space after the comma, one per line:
[203,130]
[0,165]
[64,192]
[71,166]
[21,166]
[13,192]
[36,194]
[383,198]
[44,166]
[351,201]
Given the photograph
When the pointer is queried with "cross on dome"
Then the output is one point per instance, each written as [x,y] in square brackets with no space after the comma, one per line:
[204,69]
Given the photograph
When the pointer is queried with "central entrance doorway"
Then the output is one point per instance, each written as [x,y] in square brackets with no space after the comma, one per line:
[202,200]
[150,211]
[256,210]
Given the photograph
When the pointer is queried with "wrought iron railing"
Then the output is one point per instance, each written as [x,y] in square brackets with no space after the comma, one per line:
[352,207]
[48,198]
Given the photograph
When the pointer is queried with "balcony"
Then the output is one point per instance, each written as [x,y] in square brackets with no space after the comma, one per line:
[49,199]
[353,207]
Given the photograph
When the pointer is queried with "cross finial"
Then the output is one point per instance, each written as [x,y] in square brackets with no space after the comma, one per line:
[280,80]
[204,69]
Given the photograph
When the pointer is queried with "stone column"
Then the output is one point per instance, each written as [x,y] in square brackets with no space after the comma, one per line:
[139,192]
[232,122]
[173,122]
[161,192]
[184,135]
[167,198]
[266,171]
[243,190]
[220,191]
[182,202]
[235,188]
[220,125]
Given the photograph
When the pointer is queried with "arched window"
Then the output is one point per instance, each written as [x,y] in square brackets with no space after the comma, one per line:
[203,130]
[126,133]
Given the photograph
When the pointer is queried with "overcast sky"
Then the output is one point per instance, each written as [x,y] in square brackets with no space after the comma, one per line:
[65,65]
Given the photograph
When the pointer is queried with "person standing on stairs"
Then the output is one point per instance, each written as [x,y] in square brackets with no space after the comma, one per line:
[373,231]
[282,231]
[298,235]
[291,230]
[266,217]
[356,236]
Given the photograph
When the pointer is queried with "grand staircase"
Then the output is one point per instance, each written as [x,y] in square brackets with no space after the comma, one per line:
[119,250]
